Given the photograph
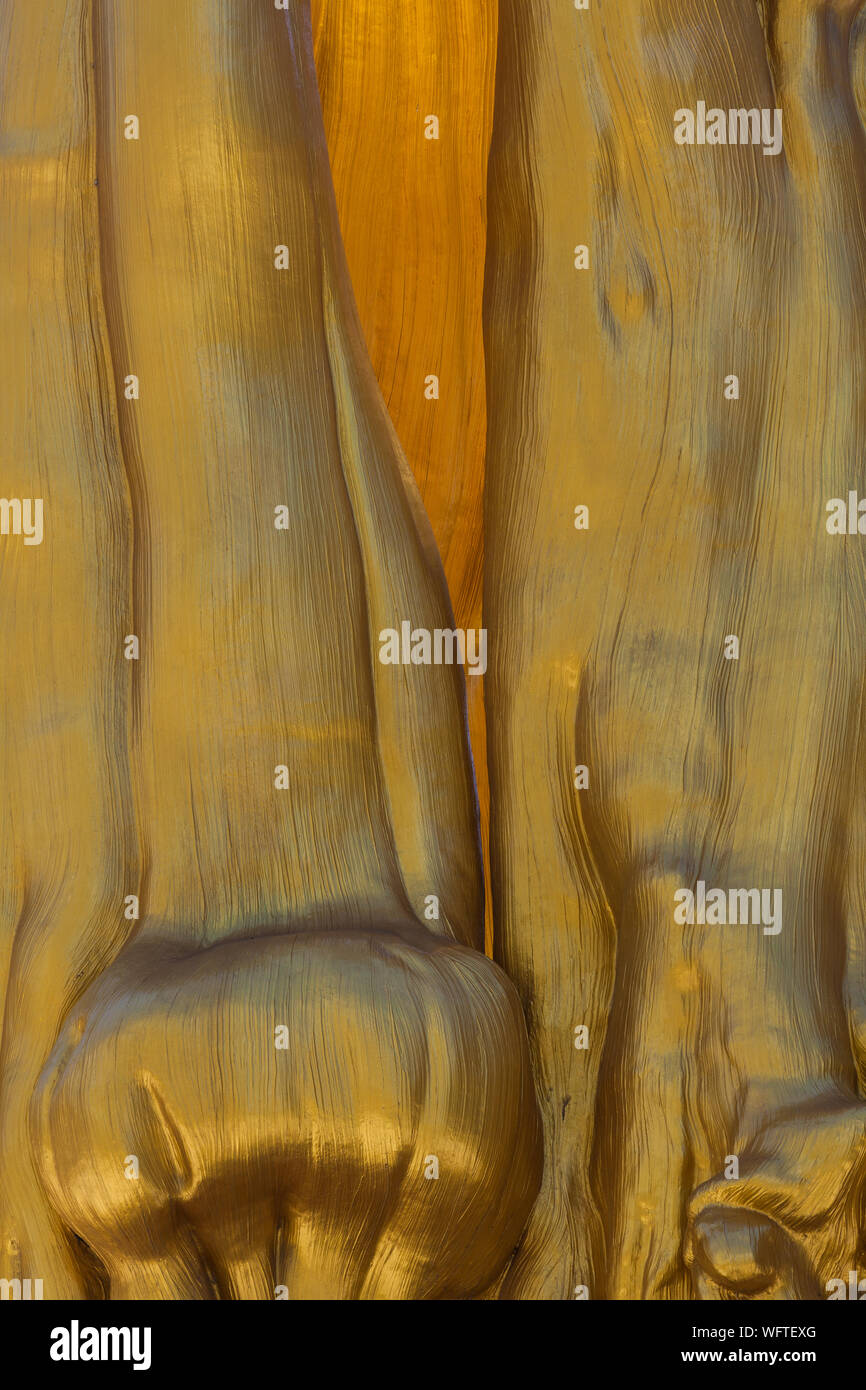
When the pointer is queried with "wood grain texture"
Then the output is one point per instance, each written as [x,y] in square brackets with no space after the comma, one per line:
[67,829]
[413,217]
[706,519]
[157,258]
[304,910]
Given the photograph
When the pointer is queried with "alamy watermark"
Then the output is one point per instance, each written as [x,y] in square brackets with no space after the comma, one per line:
[738,126]
[439,646]
[76,1343]
[733,906]
[21,1290]
[853,1288]
[22,516]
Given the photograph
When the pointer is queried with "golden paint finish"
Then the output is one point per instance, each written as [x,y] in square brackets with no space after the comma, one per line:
[65,808]
[283,806]
[413,217]
[192,1100]
[309,1166]
[706,519]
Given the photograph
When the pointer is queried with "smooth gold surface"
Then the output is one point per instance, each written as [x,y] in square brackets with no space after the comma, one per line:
[706,519]
[158,776]
[307,1168]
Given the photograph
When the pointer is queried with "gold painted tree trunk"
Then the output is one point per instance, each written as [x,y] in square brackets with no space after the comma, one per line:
[611,642]
[241,907]
[412,205]
[209,766]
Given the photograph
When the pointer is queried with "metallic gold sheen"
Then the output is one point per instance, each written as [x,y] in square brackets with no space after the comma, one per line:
[291,1070]
[261,906]
[706,1043]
